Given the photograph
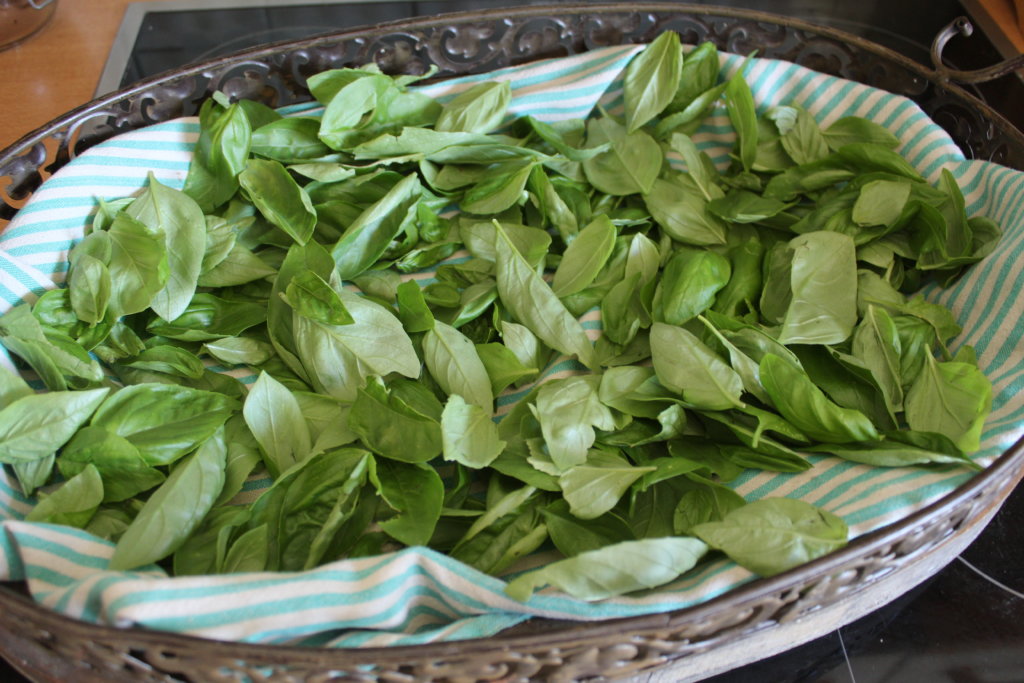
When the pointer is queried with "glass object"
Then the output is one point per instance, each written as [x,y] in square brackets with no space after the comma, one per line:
[21,19]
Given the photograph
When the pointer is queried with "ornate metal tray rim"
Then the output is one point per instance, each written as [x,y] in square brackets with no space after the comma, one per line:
[1004,471]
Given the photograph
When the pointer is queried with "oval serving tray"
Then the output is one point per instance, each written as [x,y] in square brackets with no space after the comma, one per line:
[756,620]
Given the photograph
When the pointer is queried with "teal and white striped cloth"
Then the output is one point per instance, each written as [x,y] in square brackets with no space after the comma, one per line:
[417,595]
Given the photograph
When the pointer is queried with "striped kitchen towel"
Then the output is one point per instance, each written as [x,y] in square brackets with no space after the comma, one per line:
[417,595]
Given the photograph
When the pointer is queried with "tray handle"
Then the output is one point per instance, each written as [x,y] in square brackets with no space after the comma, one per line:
[963,26]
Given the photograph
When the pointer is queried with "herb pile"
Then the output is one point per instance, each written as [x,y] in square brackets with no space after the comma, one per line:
[748,317]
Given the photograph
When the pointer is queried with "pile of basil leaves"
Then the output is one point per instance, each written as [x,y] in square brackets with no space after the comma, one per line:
[748,317]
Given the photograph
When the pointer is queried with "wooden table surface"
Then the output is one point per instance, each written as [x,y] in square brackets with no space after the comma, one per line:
[59,67]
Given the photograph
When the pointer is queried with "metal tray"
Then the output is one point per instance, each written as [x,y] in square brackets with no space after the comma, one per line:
[760,618]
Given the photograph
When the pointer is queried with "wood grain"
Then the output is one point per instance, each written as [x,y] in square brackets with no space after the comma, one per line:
[58,68]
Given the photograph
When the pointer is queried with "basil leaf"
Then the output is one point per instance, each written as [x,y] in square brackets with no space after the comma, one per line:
[595,487]
[415,492]
[771,535]
[690,280]
[175,509]
[685,365]
[274,417]
[338,358]
[453,362]
[630,166]
[808,409]
[529,298]
[480,109]
[89,285]
[851,129]
[652,78]
[876,342]
[569,410]
[703,501]
[239,350]
[498,191]
[279,198]
[412,308]
[683,214]
[138,265]
[739,103]
[614,570]
[125,474]
[573,536]
[823,281]
[163,421]
[208,317]
[74,503]
[288,139]
[34,426]
[179,218]
[951,399]
[366,239]
[310,296]
[388,426]
[468,434]
[585,256]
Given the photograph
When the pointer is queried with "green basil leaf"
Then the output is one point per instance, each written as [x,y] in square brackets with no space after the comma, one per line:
[311,296]
[703,501]
[690,280]
[366,239]
[74,503]
[209,317]
[630,166]
[652,79]
[585,256]
[772,535]
[480,109]
[125,473]
[279,198]
[289,139]
[823,281]
[171,360]
[412,308]
[416,492]
[453,362]
[275,419]
[594,488]
[390,427]
[178,216]
[89,284]
[469,436]
[238,267]
[573,536]
[163,421]
[614,570]
[851,129]
[138,265]
[239,350]
[739,103]
[175,509]
[683,214]
[529,298]
[338,358]
[685,365]
[951,399]
[34,426]
[805,406]
[569,410]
